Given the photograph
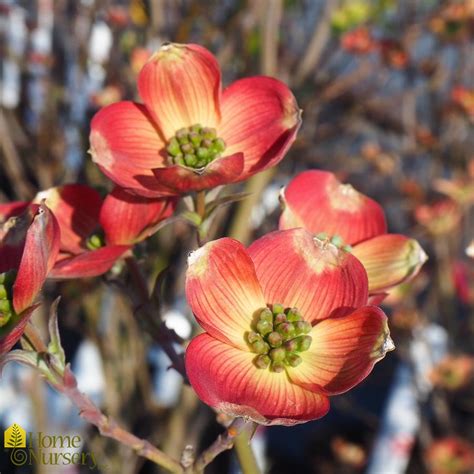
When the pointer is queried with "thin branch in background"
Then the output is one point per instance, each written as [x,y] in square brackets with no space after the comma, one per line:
[271,20]
[12,163]
[317,43]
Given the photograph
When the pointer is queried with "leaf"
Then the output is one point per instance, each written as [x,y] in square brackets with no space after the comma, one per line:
[54,346]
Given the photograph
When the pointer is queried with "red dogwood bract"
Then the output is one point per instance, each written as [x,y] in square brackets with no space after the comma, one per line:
[319,202]
[287,325]
[96,232]
[189,135]
[29,245]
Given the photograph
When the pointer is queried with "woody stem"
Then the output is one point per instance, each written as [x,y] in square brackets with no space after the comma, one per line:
[110,428]
[224,442]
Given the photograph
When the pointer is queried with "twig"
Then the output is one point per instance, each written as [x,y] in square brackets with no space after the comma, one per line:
[143,306]
[66,383]
[271,18]
[109,427]
[222,443]
[317,43]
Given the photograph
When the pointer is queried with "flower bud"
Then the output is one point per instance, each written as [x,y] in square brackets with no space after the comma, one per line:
[293,360]
[275,339]
[262,361]
[277,355]
[287,330]
[304,343]
[264,327]
[302,327]
[293,315]
[278,308]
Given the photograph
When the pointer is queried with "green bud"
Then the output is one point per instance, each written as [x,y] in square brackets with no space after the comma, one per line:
[190,160]
[293,315]
[304,343]
[278,308]
[302,327]
[280,318]
[266,315]
[187,148]
[209,133]
[262,361]
[252,337]
[277,355]
[291,345]
[275,339]
[3,292]
[181,133]
[206,143]
[322,236]
[278,367]
[196,128]
[4,318]
[287,330]
[347,248]
[202,153]
[293,360]
[195,138]
[95,242]
[179,160]
[218,145]
[6,307]
[173,147]
[264,327]
[260,347]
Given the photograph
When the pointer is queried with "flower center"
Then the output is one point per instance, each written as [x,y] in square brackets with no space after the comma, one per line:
[95,241]
[278,336]
[195,147]
[336,240]
[6,296]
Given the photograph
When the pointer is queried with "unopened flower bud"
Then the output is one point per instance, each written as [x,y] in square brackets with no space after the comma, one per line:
[277,355]
[280,318]
[293,360]
[266,315]
[278,367]
[252,337]
[293,315]
[275,339]
[287,330]
[264,327]
[262,361]
[260,347]
[304,343]
[302,327]
[278,308]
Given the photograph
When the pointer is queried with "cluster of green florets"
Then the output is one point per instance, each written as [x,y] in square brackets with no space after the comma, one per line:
[194,147]
[278,336]
[6,296]
[336,240]
[95,241]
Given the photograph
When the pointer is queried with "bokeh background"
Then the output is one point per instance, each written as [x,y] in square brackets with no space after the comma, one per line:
[387,92]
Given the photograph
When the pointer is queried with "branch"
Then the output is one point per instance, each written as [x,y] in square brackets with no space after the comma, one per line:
[224,442]
[110,428]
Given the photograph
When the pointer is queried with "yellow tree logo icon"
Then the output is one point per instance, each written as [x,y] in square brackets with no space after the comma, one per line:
[14,437]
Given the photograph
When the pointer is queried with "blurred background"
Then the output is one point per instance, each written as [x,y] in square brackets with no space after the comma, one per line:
[387,92]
